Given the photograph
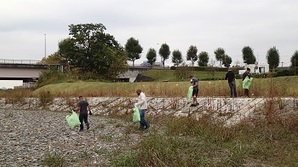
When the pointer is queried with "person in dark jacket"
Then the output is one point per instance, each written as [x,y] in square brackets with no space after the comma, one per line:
[246,74]
[83,107]
[230,76]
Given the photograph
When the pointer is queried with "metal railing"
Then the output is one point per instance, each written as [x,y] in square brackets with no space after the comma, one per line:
[14,61]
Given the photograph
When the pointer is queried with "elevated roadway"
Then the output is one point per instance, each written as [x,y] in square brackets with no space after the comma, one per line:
[25,70]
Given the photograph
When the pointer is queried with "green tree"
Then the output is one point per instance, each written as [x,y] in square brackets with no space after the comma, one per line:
[192,54]
[133,49]
[227,60]
[177,57]
[294,59]
[164,53]
[151,56]
[273,57]
[52,59]
[203,59]
[248,55]
[219,55]
[93,51]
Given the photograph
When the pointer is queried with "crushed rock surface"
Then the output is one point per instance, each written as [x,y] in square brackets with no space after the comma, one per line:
[28,137]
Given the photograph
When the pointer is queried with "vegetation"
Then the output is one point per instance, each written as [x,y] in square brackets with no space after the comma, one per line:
[177,57]
[93,51]
[54,160]
[192,54]
[133,49]
[227,60]
[164,53]
[273,57]
[261,87]
[151,56]
[52,59]
[294,59]
[203,59]
[219,55]
[188,142]
[248,55]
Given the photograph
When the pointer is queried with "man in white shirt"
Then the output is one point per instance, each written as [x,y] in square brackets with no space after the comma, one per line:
[142,104]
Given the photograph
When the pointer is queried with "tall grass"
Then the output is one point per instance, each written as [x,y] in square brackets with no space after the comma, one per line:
[260,87]
[187,142]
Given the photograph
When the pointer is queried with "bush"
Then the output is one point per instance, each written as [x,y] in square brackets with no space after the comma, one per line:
[287,72]
[50,76]
[45,97]
[53,160]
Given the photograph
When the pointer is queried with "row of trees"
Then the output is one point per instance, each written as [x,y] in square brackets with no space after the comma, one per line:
[94,51]
[134,50]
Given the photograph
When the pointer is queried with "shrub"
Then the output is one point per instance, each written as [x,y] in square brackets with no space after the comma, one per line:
[45,97]
[50,76]
[54,160]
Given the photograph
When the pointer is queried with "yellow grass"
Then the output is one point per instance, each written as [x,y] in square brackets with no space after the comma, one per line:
[281,86]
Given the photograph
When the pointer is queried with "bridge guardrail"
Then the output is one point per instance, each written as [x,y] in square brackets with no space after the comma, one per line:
[12,61]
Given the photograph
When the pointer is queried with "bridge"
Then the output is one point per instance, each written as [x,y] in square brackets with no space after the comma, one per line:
[29,70]
[25,70]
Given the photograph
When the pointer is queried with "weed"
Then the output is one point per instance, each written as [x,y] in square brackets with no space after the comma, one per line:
[54,160]
[45,97]
[107,138]
[127,160]
[101,151]
[8,115]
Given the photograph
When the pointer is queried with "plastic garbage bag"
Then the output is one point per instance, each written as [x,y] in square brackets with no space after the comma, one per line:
[136,114]
[237,83]
[73,120]
[246,83]
[189,93]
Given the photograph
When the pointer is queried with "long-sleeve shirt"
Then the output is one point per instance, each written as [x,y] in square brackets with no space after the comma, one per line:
[142,101]
[246,74]
[230,76]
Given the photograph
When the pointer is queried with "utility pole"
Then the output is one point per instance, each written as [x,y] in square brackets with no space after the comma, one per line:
[45,46]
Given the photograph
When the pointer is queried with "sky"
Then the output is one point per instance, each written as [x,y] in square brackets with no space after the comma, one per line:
[32,29]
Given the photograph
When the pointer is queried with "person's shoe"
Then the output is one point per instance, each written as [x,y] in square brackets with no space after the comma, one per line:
[88,127]
[148,126]
[81,130]
[192,105]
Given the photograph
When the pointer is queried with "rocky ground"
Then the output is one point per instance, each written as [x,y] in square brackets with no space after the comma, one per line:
[28,138]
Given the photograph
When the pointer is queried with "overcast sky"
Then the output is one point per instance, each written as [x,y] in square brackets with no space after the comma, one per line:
[207,24]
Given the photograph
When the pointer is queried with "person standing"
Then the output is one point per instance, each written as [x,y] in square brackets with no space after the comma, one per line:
[142,104]
[83,107]
[230,76]
[246,78]
[195,90]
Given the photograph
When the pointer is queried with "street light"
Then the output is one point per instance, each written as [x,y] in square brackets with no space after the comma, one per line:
[45,45]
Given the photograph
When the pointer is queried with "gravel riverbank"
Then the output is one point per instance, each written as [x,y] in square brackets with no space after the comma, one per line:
[27,138]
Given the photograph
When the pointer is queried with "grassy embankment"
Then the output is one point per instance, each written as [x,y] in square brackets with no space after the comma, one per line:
[281,87]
